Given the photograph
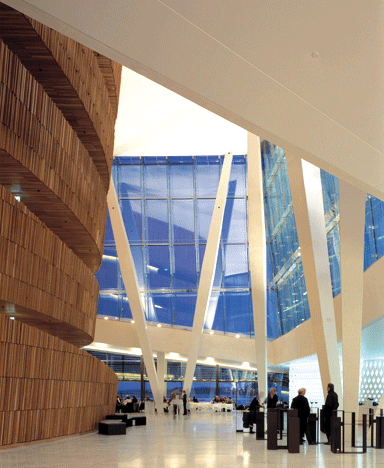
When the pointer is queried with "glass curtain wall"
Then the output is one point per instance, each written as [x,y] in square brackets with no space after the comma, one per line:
[287,281]
[167,205]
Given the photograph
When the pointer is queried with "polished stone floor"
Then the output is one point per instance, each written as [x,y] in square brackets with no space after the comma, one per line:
[200,439]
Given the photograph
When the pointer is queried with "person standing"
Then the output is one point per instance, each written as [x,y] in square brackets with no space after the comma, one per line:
[331,404]
[185,402]
[272,398]
[303,411]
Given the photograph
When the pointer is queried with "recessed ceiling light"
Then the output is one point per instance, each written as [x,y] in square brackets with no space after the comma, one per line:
[237,336]
[132,321]
[159,325]
[211,332]
[315,55]
[105,318]
[12,318]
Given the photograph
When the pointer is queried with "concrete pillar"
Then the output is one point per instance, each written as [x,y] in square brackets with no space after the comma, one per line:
[307,199]
[128,272]
[352,223]
[258,259]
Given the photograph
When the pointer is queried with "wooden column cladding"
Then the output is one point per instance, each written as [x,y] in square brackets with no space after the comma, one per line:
[58,105]
[49,388]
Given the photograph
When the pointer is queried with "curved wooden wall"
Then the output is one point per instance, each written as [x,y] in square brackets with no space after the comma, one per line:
[45,163]
[42,282]
[70,75]
[58,105]
[49,388]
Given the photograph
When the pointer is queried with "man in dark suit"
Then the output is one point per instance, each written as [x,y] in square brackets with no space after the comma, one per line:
[331,404]
[301,404]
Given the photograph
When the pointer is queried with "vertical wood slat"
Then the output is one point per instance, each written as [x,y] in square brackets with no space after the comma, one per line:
[62,293]
[40,401]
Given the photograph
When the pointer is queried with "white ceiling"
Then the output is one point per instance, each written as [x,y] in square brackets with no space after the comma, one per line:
[251,63]
[153,121]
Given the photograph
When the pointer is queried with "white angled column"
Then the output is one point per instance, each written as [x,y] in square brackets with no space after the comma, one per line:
[258,259]
[208,271]
[308,206]
[161,368]
[128,272]
[352,223]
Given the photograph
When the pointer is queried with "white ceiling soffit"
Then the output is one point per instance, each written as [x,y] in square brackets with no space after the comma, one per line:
[252,63]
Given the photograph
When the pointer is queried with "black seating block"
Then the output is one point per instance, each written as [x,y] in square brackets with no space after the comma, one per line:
[112,427]
[139,420]
[117,416]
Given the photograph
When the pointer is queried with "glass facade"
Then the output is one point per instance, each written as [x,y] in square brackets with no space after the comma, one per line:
[167,205]
[287,282]
[240,384]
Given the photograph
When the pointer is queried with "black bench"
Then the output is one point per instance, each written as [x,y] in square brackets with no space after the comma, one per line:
[112,427]
[137,420]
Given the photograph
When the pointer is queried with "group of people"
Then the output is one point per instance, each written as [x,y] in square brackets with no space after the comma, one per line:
[300,403]
[120,404]
[223,399]
[175,396]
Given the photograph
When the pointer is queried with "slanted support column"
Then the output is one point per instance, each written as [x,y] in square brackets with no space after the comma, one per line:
[207,271]
[161,363]
[128,272]
[352,222]
[308,206]
[258,259]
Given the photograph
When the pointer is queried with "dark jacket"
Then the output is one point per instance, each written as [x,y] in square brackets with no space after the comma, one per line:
[272,401]
[331,403]
[255,405]
[301,404]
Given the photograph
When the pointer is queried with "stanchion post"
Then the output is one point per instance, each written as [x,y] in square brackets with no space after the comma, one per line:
[272,429]
[353,431]
[364,433]
[371,425]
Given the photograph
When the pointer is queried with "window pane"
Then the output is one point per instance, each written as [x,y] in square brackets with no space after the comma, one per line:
[207,179]
[236,187]
[235,266]
[157,221]
[132,217]
[129,181]
[160,308]
[234,222]
[109,239]
[215,315]
[108,305]
[125,307]
[183,225]
[237,312]
[181,179]
[185,267]
[204,210]
[107,274]
[158,267]
[137,254]
[185,304]
[155,181]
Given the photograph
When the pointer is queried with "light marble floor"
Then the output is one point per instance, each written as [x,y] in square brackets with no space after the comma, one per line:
[197,440]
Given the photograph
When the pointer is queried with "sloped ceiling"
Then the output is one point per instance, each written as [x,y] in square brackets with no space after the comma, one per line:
[306,75]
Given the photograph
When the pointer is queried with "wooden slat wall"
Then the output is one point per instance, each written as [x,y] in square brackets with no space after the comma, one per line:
[70,75]
[57,112]
[49,388]
[112,75]
[45,163]
[42,281]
